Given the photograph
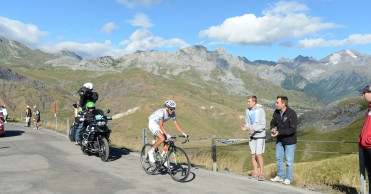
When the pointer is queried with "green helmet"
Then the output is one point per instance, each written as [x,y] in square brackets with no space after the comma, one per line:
[90,105]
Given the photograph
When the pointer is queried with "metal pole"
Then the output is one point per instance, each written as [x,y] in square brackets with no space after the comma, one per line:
[56,123]
[67,124]
[144,136]
[362,171]
[213,153]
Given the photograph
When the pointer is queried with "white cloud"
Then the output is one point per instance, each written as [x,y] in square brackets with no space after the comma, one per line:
[138,3]
[85,50]
[108,27]
[360,38]
[27,34]
[143,40]
[320,42]
[141,20]
[283,20]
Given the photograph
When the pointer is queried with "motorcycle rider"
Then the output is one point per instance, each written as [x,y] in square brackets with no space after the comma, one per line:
[89,115]
[155,124]
[86,95]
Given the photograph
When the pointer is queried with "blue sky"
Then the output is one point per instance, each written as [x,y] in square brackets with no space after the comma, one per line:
[257,30]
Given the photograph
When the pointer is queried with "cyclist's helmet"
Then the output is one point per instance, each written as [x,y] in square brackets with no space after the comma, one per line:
[170,104]
[88,85]
[90,105]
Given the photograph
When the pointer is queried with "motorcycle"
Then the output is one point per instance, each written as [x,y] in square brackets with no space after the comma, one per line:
[95,137]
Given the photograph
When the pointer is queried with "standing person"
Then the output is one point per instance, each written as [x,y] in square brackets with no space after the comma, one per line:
[77,124]
[28,116]
[156,125]
[364,139]
[5,113]
[36,119]
[283,126]
[255,124]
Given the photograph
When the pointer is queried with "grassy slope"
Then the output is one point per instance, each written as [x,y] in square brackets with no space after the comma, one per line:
[121,91]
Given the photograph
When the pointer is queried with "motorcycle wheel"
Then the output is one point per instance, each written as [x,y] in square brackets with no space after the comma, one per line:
[104,149]
[85,151]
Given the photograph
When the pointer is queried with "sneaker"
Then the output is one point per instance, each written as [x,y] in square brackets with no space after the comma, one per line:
[150,157]
[34,128]
[286,182]
[261,177]
[167,165]
[277,179]
[77,142]
[254,176]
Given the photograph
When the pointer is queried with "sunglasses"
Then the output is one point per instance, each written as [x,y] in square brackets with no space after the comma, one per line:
[172,109]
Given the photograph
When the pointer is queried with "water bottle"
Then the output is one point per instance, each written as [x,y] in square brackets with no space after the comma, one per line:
[164,152]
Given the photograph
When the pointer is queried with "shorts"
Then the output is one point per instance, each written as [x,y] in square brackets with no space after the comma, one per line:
[257,146]
[154,128]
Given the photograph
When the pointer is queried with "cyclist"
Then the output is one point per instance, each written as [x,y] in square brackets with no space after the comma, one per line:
[156,125]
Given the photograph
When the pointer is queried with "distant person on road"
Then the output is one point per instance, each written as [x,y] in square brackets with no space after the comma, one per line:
[28,112]
[283,127]
[255,125]
[36,119]
[156,125]
[364,139]
[5,113]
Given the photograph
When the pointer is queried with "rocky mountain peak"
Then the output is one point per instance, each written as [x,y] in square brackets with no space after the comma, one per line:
[64,53]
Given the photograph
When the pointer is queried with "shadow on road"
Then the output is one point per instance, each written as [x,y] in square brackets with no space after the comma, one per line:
[12,133]
[345,189]
[116,153]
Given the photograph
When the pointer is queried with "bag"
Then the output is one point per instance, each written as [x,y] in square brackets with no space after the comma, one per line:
[72,133]
[364,139]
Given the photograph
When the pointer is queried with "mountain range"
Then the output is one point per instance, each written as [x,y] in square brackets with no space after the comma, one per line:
[331,78]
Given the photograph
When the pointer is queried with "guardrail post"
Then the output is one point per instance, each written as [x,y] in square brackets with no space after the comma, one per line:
[144,136]
[213,152]
[362,171]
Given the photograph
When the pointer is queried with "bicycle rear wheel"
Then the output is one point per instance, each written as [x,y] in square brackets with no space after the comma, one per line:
[179,165]
[148,167]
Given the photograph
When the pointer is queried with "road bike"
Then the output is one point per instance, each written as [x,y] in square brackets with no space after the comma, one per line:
[175,161]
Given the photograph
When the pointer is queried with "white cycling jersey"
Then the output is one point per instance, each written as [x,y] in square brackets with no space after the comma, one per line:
[154,119]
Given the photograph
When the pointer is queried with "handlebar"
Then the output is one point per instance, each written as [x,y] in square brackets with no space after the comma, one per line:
[183,142]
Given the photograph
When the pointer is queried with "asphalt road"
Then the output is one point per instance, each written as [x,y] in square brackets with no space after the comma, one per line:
[44,161]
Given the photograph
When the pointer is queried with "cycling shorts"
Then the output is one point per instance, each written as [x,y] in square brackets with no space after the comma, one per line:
[154,128]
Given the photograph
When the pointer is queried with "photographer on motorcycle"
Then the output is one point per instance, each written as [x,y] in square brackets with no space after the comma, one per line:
[86,95]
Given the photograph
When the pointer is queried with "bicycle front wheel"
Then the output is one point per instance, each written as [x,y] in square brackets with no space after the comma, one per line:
[148,167]
[179,165]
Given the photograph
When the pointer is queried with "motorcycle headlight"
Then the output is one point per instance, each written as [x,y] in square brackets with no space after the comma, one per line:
[101,123]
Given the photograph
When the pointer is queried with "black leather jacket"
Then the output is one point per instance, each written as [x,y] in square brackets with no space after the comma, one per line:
[286,126]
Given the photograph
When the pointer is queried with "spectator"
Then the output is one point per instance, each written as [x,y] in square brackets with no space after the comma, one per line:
[5,113]
[1,114]
[36,119]
[283,126]
[255,124]
[28,116]
[364,139]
